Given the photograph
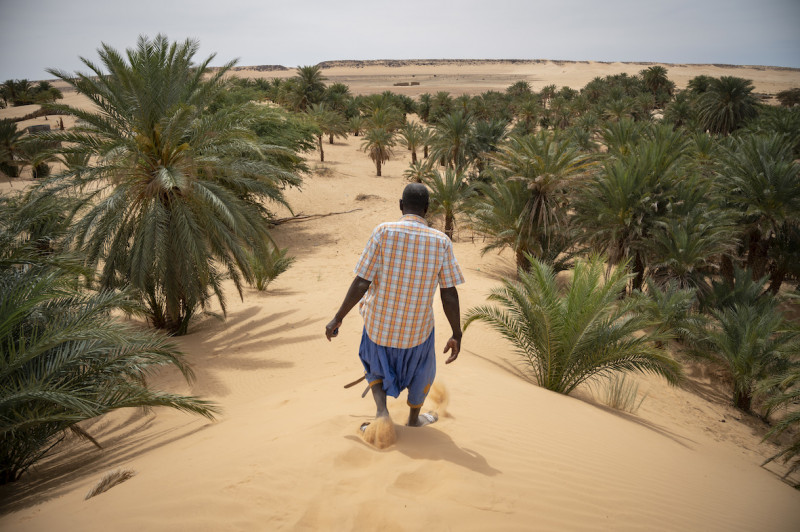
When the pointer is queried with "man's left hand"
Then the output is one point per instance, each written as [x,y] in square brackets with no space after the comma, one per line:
[454,345]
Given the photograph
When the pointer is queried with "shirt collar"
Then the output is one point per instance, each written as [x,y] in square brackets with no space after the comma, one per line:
[414,218]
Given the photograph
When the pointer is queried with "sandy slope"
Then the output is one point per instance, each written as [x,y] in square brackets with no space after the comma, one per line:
[285,454]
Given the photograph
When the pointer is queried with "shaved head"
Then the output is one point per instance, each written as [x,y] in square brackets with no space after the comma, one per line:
[415,198]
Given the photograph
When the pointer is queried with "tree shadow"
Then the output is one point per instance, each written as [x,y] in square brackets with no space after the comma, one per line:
[674,436]
[304,241]
[243,342]
[76,460]
[505,365]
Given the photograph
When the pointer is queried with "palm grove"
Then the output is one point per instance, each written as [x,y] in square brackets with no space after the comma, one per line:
[676,211]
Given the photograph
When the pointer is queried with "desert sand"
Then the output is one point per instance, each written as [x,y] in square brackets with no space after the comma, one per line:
[505,455]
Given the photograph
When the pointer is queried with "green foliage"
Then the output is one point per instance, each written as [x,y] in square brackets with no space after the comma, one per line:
[789,97]
[670,308]
[64,357]
[760,180]
[23,92]
[10,148]
[752,342]
[177,192]
[418,171]
[448,196]
[621,205]
[267,267]
[585,333]
[783,392]
[726,105]
[622,393]
[412,136]
[378,144]
[452,134]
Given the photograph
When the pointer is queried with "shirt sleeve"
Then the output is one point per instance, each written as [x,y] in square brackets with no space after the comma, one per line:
[450,274]
[370,262]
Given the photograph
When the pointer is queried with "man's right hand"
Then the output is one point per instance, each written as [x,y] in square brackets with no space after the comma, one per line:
[332,329]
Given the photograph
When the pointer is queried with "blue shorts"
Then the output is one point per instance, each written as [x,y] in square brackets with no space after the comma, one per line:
[412,368]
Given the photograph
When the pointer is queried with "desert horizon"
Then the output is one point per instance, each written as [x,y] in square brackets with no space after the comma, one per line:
[506,454]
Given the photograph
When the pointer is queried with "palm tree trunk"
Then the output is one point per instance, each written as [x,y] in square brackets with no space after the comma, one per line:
[321,153]
[777,276]
[378,167]
[638,269]
[522,260]
[413,156]
[756,254]
[331,139]
[448,226]
[742,400]
[425,152]
[726,269]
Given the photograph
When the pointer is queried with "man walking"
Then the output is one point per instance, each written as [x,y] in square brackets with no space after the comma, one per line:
[397,276]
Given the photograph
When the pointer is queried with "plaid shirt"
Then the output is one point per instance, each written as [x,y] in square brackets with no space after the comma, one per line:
[404,261]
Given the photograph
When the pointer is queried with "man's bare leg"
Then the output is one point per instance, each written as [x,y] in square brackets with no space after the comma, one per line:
[414,419]
[379,394]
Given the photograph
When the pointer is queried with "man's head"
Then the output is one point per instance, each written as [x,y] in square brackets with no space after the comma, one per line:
[415,199]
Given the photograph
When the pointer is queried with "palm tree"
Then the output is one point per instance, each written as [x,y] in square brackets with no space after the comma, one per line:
[753,342]
[686,245]
[175,201]
[378,144]
[449,194]
[783,392]
[65,356]
[498,211]
[10,140]
[670,308]
[550,168]
[571,338]
[418,171]
[337,96]
[441,106]
[412,135]
[356,124]
[309,86]
[726,105]
[328,122]
[761,181]
[451,136]
[620,205]
[487,139]
[656,80]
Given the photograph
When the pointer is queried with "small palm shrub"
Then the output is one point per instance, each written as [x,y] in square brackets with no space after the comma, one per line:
[585,332]
[784,392]
[753,342]
[267,267]
[622,393]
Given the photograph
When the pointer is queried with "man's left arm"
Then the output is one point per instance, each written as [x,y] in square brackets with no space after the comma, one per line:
[453,312]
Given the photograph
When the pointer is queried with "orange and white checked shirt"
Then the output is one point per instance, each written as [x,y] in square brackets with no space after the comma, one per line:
[404,261]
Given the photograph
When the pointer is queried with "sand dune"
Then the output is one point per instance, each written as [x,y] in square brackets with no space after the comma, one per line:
[286,453]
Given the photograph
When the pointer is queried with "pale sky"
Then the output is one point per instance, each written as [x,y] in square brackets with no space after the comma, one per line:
[39,34]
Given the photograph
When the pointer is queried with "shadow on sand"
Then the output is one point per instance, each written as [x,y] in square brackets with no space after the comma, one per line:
[123,440]
[429,443]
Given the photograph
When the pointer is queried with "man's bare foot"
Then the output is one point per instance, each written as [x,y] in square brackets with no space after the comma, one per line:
[426,419]
[379,433]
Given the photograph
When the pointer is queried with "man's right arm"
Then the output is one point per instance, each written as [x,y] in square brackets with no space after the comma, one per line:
[357,289]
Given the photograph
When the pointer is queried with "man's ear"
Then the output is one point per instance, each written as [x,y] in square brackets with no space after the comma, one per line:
[401,205]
